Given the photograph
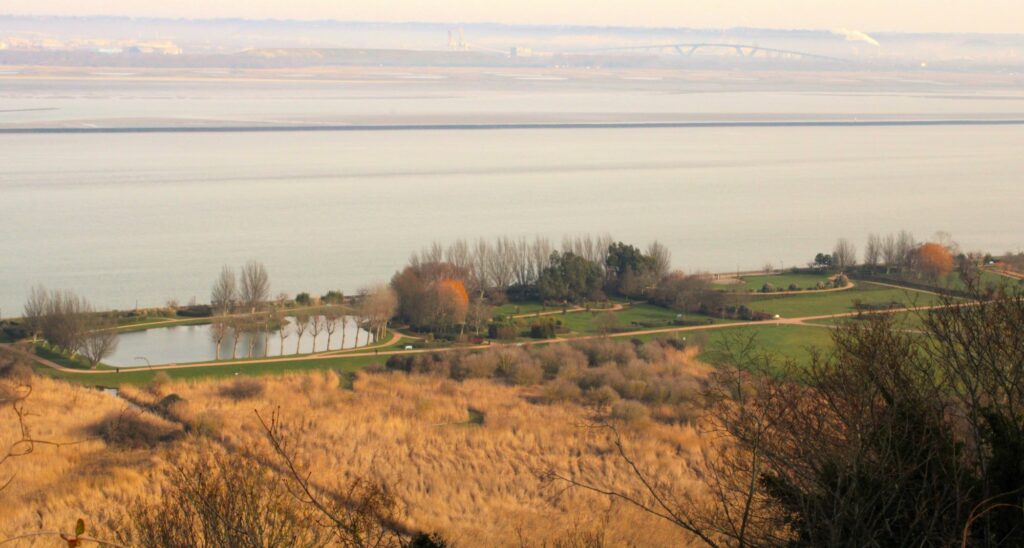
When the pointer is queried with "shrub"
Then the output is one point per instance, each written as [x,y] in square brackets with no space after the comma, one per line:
[543,329]
[503,331]
[767,288]
[561,390]
[526,373]
[242,389]
[207,424]
[521,293]
[630,412]
[794,287]
[481,365]
[601,397]
[303,299]
[196,311]
[556,358]
[496,297]
[14,368]
[134,430]
[158,385]
[400,362]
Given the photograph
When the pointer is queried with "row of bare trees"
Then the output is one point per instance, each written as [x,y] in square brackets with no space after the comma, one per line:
[520,261]
[70,323]
[375,307]
[248,291]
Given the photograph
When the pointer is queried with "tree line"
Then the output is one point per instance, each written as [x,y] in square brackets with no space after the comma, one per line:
[902,253]
[243,310]
[70,324]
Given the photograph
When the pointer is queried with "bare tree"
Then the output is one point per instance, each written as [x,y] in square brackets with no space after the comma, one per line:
[500,264]
[378,305]
[520,255]
[481,265]
[540,259]
[844,255]
[301,323]
[316,326]
[282,328]
[100,338]
[252,328]
[225,291]
[459,255]
[255,285]
[331,318]
[63,321]
[873,251]
[236,335]
[905,247]
[478,315]
[661,259]
[218,330]
[890,253]
[35,310]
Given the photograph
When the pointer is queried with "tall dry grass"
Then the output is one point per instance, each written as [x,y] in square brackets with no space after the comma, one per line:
[472,483]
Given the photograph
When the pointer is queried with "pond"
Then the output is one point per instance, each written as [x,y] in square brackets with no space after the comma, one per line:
[194,343]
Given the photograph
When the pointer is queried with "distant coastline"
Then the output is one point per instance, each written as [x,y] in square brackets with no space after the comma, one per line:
[514,126]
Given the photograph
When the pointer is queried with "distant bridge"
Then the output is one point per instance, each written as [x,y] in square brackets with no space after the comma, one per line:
[743,50]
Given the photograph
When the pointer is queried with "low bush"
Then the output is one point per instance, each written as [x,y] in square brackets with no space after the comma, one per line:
[135,430]
[630,412]
[243,389]
[196,311]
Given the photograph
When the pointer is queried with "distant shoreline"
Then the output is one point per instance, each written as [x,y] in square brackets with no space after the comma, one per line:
[512,126]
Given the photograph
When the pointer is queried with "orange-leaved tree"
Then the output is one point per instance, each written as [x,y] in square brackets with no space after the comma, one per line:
[934,260]
[451,303]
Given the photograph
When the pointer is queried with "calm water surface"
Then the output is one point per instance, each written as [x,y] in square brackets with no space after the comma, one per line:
[192,343]
[143,218]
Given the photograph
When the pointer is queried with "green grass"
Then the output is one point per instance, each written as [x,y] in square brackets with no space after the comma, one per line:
[783,342]
[78,362]
[782,281]
[509,309]
[839,302]
[645,316]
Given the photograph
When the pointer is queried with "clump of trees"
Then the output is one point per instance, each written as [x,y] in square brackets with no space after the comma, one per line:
[70,324]
[570,278]
[432,296]
[585,268]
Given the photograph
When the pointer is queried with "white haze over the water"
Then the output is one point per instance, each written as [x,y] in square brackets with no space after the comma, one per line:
[1005,16]
[856,36]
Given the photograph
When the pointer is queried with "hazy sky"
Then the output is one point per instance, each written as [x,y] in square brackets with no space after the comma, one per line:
[867,15]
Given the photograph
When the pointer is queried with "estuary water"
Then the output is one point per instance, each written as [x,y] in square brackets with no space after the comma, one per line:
[128,219]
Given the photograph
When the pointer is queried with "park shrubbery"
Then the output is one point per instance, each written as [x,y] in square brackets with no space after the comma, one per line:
[595,372]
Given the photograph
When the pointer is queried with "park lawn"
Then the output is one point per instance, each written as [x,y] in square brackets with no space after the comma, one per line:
[637,317]
[840,302]
[782,342]
[78,362]
[955,282]
[783,281]
[344,366]
[910,320]
[509,309]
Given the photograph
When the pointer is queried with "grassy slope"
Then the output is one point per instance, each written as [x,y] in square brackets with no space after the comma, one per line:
[839,302]
[782,281]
